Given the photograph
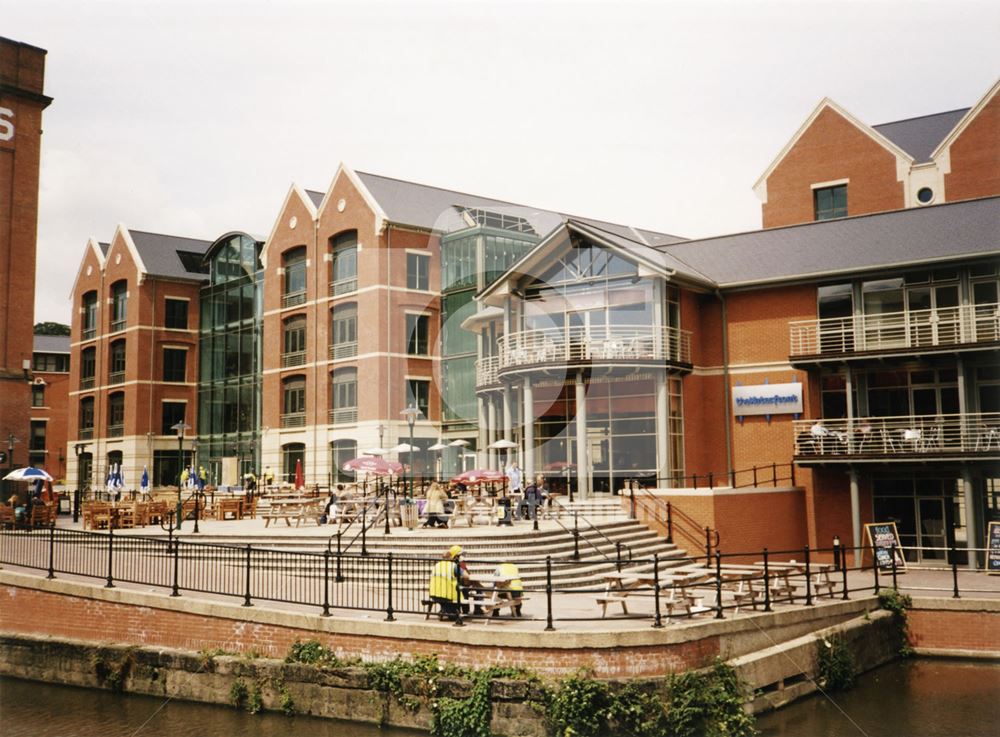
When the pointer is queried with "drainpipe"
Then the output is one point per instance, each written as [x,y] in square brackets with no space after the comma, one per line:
[317,272]
[388,323]
[725,375]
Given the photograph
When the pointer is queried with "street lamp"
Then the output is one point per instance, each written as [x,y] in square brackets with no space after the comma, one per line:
[411,414]
[78,449]
[179,428]
[197,494]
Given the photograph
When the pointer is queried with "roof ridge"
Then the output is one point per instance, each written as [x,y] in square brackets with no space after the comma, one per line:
[825,222]
[928,115]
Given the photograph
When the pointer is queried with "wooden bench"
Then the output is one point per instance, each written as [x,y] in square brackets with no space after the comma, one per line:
[607,598]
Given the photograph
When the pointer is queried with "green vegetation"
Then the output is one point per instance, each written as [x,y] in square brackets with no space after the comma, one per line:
[51,328]
[897,603]
[113,672]
[836,665]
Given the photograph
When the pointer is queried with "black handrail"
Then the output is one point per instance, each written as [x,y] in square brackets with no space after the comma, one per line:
[618,545]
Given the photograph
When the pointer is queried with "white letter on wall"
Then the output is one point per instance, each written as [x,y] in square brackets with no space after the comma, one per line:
[6,126]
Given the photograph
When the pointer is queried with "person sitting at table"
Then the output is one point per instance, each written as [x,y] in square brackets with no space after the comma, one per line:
[508,585]
[443,587]
[331,513]
[436,516]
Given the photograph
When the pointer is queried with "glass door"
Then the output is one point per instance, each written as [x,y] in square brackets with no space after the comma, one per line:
[933,315]
[932,529]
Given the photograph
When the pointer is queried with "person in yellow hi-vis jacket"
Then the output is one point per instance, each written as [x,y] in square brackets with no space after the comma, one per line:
[445,579]
[509,586]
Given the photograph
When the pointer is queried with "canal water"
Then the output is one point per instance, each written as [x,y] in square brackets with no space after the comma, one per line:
[916,698]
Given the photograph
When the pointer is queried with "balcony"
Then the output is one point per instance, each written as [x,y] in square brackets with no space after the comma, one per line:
[86,433]
[87,382]
[293,298]
[116,377]
[343,416]
[486,371]
[343,350]
[293,359]
[343,286]
[297,419]
[89,333]
[116,431]
[914,331]
[909,437]
[611,345]
[117,326]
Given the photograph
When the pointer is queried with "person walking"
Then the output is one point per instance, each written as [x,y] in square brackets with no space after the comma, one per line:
[514,479]
[436,497]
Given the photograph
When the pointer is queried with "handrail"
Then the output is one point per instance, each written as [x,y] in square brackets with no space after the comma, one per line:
[611,342]
[618,545]
[679,521]
[755,476]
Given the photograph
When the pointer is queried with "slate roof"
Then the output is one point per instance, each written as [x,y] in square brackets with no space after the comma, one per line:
[51,344]
[316,197]
[920,136]
[435,208]
[879,241]
[170,255]
[104,248]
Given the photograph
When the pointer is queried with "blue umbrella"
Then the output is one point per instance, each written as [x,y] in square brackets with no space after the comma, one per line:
[144,483]
[27,474]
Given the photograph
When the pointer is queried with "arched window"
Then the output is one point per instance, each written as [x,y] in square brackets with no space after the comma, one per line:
[344,331]
[119,305]
[293,407]
[294,263]
[116,362]
[344,396]
[341,451]
[292,454]
[86,418]
[344,263]
[294,341]
[89,315]
[88,367]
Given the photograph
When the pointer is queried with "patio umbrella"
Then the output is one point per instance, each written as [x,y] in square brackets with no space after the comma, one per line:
[459,443]
[300,479]
[478,476]
[438,446]
[376,452]
[559,466]
[27,474]
[404,448]
[144,482]
[376,466]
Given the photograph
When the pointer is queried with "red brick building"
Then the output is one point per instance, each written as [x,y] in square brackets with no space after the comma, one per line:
[22,100]
[49,405]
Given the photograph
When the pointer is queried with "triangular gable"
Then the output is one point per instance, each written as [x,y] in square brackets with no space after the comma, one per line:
[294,191]
[93,245]
[130,245]
[381,219]
[760,186]
[962,124]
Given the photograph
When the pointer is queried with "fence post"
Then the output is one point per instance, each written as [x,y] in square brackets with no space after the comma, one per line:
[843,570]
[548,594]
[52,552]
[631,501]
[755,477]
[340,576]
[718,584]
[658,620]
[791,471]
[618,555]
[246,597]
[326,582]
[694,481]
[711,480]
[111,548]
[836,552]
[388,609]
[576,535]
[875,567]
[767,585]
[364,530]
[809,591]
[732,478]
[708,546]
[76,506]
[892,552]
[954,574]
[774,474]
[175,591]
[670,523]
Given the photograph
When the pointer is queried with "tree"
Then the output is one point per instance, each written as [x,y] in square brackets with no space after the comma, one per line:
[51,328]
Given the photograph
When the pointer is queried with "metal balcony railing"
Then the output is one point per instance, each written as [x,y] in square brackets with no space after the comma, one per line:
[86,433]
[920,435]
[116,431]
[893,331]
[486,371]
[117,326]
[89,333]
[293,298]
[297,419]
[343,350]
[605,344]
[343,286]
[293,359]
[343,416]
[116,377]
[87,382]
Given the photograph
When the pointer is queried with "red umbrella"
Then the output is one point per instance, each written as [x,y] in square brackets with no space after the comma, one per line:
[479,476]
[559,466]
[300,479]
[373,465]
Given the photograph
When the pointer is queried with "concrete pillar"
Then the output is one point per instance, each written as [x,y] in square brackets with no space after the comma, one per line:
[491,431]
[582,450]
[482,440]
[849,388]
[855,517]
[528,417]
[662,430]
[971,517]
[507,423]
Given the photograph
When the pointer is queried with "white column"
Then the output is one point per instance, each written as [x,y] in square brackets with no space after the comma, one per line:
[971,518]
[528,417]
[583,469]
[849,388]
[482,437]
[507,424]
[662,430]
[855,517]
[491,430]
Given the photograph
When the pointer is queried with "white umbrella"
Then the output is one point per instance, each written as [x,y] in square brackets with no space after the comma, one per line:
[27,474]
[438,446]
[404,448]
[458,443]
[375,452]
[503,444]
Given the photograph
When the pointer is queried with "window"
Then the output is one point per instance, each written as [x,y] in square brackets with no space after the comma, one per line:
[38,395]
[50,362]
[416,334]
[175,314]
[89,315]
[173,412]
[174,364]
[87,417]
[293,407]
[344,263]
[116,415]
[166,471]
[88,367]
[417,394]
[116,363]
[294,349]
[294,262]
[417,267]
[344,331]
[341,452]
[36,441]
[292,454]
[119,305]
[830,202]
[344,396]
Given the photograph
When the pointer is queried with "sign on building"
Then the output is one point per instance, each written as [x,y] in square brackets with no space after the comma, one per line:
[767,399]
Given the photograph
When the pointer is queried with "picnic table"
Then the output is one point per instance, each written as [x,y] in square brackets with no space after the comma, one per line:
[783,571]
[300,509]
[229,506]
[619,585]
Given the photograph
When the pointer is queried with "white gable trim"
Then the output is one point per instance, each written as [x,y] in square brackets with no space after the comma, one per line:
[903,159]
[96,248]
[130,245]
[380,217]
[297,191]
[961,125]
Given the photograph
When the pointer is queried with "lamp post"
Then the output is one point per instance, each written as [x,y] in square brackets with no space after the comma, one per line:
[411,413]
[197,494]
[179,428]
[78,449]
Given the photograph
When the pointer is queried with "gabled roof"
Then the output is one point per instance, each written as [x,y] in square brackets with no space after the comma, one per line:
[920,136]
[170,255]
[316,197]
[51,344]
[889,240]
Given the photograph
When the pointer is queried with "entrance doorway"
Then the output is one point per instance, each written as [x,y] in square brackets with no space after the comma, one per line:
[929,515]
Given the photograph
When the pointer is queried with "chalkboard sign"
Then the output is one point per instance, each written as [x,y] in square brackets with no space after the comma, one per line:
[881,537]
[993,548]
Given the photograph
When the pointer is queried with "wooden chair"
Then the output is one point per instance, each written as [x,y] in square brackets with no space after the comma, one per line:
[6,517]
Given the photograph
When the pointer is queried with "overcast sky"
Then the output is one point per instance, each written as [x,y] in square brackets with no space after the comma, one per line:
[194,118]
